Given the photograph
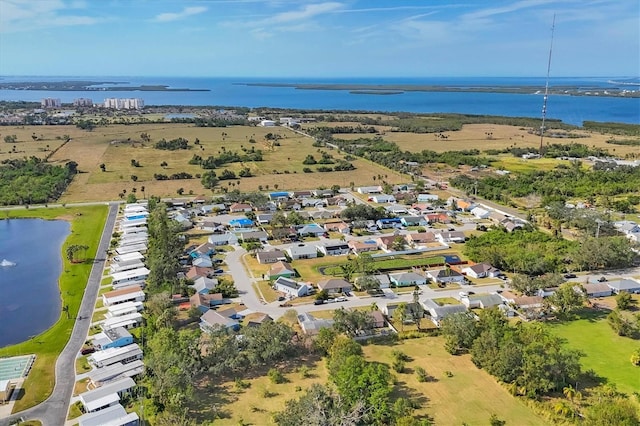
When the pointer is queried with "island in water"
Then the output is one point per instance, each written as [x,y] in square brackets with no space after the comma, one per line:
[92,86]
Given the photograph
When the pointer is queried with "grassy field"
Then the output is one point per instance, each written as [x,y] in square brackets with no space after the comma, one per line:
[86,227]
[116,145]
[470,396]
[605,352]
[474,136]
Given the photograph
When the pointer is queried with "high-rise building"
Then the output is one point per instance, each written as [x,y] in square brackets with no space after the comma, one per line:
[127,103]
[50,103]
[83,102]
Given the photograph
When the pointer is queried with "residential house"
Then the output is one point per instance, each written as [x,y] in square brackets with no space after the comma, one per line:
[627,227]
[227,238]
[480,213]
[278,196]
[302,251]
[404,279]
[125,355]
[127,294]
[311,325]
[413,221]
[212,226]
[437,218]
[337,201]
[202,262]
[195,272]
[420,238]
[385,242]
[437,312]
[396,209]
[594,289]
[335,285]
[101,376]
[377,319]
[114,415]
[382,279]
[341,227]
[511,225]
[206,301]
[482,301]
[259,236]
[322,193]
[291,287]
[335,249]
[387,223]
[131,320]
[183,221]
[523,302]
[213,208]
[106,396]
[132,275]
[464,205]
[256,319]
[390,308]
[112,338]
[451,237]
[264,218]
[481,270]
[281,269]
[370,189]
[241,223]
[204,285]
[290,205]
[272,256]
[203,250]
[212,318]
[422,198]
[626,284]
[383,198]
[498,217]
[446,275]
[240,208]
[313,202]
[362,246]
[300,194]
[312,229]
[322,214]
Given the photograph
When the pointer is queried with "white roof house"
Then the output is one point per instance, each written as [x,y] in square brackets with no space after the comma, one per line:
[370,189]
[131,320]
[130,275]
[291,287]
[125,266]
[111,356]
[480,213]
[135,223]
[127,294]
[203,285]
[626,284]
[383,198]
[481,270]
[101,376]
[107,395]
[131,248]
[302,251]
[114,415]
[129,257]
[123,309]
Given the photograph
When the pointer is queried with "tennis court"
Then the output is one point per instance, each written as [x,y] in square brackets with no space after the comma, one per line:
[15,367]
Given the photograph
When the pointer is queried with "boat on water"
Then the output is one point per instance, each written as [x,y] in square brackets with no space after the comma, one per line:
[6,262]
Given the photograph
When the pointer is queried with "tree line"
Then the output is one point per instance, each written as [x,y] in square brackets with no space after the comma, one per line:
[33,180]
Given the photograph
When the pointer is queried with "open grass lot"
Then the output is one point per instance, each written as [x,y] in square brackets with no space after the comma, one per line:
[86,227]
[117,145]
[605,352]
[251,405]
[470,396]
[474,136]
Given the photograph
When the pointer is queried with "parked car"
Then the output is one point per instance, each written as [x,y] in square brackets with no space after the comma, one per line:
[281,298]
[318,302]
[341,299]
[87,351]
[602,279]
[463,294]
[567,276]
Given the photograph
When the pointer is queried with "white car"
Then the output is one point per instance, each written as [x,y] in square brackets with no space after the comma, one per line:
[463,294]
[341,299]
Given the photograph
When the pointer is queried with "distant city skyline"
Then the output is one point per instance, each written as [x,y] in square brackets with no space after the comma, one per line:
[350,38]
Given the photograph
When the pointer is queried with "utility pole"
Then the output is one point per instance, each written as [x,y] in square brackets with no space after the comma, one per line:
[546,89]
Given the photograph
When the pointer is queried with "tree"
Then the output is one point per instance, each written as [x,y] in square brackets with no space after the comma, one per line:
[620,324]
[11,139]
[134,178]
[565,300]
[400,314]
[623,300]
[209,179]
[103,167]
[352,322]
[399,243]
[612,412]
[635,358]
[460,331]
[495,421]
[416,311]
[131,198]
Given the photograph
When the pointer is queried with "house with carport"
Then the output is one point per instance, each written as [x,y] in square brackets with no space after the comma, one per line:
[335,286]
[334,249]
[624,285]
[481,270]
[446,276]
[451,237]
[273,256]
[482,301]
[594,289]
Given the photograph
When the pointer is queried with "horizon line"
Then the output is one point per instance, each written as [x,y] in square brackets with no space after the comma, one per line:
[311,76]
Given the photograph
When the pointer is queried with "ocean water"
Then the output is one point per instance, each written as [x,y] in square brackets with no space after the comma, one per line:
[233,92]
[29,293]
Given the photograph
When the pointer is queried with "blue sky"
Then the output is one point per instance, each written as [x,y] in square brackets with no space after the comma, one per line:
[348,38]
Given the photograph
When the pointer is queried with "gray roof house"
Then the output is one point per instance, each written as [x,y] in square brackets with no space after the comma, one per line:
[438,313]
[114,415]
[310,325]
[272,256]
[402,279]
[212,318]
[302,251]
[107,395]
[204,285]
[446,275]
[482,301]
[594,289]
[626,284]
[335,285]
[291,287]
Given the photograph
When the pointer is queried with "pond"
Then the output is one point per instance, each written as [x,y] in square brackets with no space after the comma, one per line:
[31,259]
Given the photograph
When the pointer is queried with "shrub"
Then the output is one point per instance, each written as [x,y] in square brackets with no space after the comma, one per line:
[276,376]
[448,373]
[400,355]
[241,384]
[398,365]
[422,375]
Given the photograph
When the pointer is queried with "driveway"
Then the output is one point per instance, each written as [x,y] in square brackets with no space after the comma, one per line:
[53,411]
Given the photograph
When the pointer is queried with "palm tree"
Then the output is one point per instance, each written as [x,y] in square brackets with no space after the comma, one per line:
[563,409]
[569,392]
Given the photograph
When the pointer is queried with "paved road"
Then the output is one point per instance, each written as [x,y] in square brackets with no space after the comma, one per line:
[53,411]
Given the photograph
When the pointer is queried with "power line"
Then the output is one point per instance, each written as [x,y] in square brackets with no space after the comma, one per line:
[546,87]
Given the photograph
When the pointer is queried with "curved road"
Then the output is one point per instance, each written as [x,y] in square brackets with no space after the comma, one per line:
[53,411]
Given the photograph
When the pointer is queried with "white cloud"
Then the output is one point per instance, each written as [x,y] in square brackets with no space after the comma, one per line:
[28,15]
[306,12]
[186,12]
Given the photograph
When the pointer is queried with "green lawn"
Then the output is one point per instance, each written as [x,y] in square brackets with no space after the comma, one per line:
[605,352]
[87,223]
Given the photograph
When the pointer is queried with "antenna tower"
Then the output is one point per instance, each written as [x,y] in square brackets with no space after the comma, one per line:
[546,88]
